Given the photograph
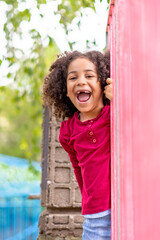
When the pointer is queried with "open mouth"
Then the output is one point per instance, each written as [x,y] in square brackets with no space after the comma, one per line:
[83,96]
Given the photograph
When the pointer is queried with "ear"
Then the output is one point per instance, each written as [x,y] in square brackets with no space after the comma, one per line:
[67,94]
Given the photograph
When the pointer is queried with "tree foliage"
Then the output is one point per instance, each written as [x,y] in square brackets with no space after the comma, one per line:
[21,107]
[20,102]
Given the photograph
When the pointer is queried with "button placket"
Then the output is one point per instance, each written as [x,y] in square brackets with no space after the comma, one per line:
[91,132]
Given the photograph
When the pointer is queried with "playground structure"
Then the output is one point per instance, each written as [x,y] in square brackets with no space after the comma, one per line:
[60,194]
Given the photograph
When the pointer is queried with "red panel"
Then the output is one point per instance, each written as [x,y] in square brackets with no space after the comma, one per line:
[134,40]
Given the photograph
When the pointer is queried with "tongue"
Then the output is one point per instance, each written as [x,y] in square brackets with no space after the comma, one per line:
[83,97]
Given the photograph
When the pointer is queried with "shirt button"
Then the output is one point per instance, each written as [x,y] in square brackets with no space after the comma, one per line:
[94,140]
[91,133]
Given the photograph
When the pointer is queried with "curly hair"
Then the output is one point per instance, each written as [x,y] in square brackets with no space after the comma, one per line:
[55,86]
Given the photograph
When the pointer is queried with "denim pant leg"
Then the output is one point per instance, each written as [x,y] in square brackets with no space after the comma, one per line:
[97,228]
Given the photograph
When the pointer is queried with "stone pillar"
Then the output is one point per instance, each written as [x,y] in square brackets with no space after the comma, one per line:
[60,194]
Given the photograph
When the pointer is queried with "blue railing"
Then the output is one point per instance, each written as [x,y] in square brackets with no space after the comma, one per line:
[19,218]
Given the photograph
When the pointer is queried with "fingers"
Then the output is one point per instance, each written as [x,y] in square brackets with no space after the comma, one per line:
[108,90]
[109,81]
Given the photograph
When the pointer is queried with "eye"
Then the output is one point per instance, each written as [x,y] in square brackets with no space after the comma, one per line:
[72,78]
[90,76]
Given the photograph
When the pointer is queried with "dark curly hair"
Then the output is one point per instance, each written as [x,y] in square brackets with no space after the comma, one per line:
[55,87]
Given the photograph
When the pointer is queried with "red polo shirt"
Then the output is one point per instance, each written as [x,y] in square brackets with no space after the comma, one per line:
[88,146]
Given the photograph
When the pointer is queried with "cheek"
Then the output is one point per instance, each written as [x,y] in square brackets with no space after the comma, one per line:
[98,87]
[99,91]
[69,89]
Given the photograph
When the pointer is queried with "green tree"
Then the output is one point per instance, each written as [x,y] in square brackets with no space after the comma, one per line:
[21,108]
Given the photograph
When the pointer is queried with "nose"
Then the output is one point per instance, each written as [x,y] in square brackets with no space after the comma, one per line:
[81,81]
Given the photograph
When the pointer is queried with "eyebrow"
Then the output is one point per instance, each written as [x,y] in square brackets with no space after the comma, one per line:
[86,70]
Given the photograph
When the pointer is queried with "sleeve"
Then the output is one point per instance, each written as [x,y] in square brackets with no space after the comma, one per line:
[64,140]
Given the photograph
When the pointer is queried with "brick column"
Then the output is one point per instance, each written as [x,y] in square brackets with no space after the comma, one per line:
[60,194]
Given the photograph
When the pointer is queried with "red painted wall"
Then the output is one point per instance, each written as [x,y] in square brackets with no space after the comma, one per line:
[134,41]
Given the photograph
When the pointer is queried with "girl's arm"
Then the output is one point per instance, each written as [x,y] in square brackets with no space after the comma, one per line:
[108,90]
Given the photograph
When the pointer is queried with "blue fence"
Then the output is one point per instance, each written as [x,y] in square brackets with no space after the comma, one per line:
[19,218]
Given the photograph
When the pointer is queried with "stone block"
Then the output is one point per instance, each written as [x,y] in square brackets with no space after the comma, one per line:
[61,197]
[61,156]
[62,175]
[60,219]
[64,224]
[78,219]
[77,232]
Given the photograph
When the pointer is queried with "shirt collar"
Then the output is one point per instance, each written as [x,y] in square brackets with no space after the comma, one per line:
[76,116]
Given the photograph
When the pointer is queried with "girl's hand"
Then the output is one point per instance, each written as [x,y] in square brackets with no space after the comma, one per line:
[108,90]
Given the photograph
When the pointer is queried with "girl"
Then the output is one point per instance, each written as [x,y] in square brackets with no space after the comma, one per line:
[76,85]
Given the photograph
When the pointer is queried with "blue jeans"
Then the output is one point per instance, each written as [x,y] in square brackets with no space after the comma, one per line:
[97,228]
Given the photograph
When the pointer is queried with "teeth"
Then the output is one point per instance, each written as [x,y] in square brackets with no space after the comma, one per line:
[85,91]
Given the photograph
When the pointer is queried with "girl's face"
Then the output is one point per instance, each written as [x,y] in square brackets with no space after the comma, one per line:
[84,89]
